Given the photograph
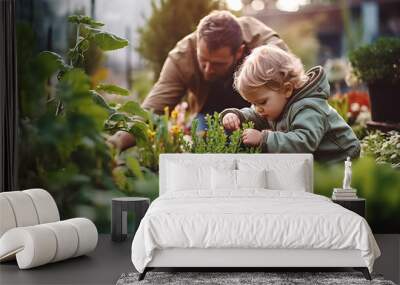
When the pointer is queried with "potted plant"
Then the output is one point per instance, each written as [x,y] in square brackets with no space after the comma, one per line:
[378,65]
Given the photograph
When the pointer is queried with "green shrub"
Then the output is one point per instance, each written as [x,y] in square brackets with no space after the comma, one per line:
[379,61]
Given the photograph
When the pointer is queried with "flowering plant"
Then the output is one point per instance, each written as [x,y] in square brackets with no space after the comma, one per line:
[137,167]
[353,106]
[385,147]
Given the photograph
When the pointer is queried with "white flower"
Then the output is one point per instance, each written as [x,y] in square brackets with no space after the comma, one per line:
[355,107]
[363,118]
[188,139]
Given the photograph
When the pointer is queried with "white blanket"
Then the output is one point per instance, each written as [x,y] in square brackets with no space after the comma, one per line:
[253,218]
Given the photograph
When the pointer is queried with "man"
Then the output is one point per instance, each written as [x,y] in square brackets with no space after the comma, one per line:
[202,66]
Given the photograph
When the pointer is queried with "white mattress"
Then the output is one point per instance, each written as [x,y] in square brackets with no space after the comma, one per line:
[253,218]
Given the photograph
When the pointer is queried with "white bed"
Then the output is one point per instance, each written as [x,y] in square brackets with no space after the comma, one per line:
[247,210]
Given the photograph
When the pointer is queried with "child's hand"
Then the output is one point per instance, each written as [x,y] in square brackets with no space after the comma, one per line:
[251,137]
[231,122]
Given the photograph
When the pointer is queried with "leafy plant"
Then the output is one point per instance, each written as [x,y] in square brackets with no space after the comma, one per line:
[378,61]
[62,145]
[216,140]
[154,134]
[384,147]
[138,166]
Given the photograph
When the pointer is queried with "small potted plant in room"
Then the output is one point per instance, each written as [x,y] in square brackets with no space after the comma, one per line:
[378,65]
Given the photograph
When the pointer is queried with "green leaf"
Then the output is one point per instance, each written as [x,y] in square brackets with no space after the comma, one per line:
[113,89]
[118,117]
[53,62]
[107,41]
[139,130]
[98,99]
[134,166]
[134,108]
[86,20]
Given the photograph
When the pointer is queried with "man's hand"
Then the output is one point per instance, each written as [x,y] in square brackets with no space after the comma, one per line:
[122,140]
[231,122]
[251,137]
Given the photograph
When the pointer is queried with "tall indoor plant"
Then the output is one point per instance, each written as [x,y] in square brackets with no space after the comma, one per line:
[378,65]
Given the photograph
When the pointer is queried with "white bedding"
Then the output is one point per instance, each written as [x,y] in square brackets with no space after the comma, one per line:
[251,218]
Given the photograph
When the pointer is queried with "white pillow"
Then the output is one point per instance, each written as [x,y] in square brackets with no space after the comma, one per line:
[193,176]
[223,179]
[281,174]
[293,179]
[251,178]
[237,179]
[182,177]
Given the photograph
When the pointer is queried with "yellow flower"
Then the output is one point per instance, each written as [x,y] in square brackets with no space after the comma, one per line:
[175,129]
[166,110]
[174,114]
[151,134]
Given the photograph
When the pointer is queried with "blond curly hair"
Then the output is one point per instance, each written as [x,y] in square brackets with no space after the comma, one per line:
[269,66]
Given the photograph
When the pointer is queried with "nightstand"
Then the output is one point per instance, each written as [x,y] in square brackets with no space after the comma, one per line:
[355,205]
[119,215]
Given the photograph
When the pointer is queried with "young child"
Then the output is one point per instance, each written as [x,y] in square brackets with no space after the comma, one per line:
[289,108]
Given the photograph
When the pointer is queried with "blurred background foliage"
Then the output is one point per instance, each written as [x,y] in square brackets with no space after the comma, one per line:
[302,39]
[170,21]
[67,155]
[377,183]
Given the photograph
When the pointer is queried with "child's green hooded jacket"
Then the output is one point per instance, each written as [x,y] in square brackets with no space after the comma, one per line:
[308,124]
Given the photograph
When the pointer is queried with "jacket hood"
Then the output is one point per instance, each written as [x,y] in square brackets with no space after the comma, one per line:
[317,86]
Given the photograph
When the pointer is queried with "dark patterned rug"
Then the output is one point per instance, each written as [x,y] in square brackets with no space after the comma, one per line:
[242,278]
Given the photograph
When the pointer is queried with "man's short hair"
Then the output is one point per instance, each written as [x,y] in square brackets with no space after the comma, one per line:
[220,29]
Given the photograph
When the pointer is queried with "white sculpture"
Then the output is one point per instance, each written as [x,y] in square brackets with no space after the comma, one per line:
[347,174]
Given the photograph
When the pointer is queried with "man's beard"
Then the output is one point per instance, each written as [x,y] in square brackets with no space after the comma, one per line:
[228,75]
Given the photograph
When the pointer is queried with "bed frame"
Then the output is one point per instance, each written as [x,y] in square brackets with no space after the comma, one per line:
[243,259]
[249,257]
